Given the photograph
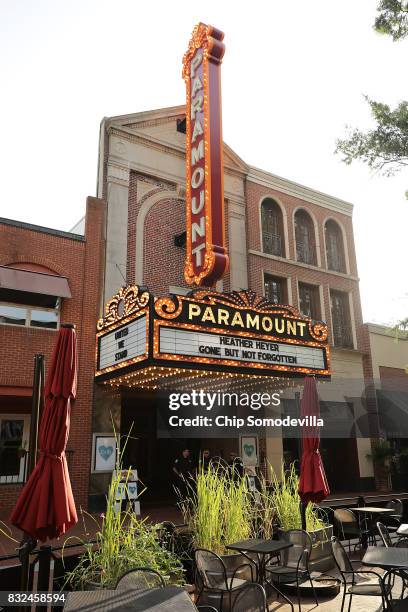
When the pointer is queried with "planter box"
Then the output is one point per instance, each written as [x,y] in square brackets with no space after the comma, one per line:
[321,558]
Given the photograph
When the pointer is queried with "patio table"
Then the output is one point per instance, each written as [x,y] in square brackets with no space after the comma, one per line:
[386,558]
[370,512]
[403,529]
[263,549]
[171,599]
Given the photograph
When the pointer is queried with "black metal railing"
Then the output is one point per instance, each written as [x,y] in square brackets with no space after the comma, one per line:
[14,467]
[272,244]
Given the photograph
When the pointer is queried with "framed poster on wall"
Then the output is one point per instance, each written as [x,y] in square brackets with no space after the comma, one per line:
[249,450]
[103,452]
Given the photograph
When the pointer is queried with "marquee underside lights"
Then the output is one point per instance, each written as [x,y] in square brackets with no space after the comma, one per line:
[206,254]
[218,333]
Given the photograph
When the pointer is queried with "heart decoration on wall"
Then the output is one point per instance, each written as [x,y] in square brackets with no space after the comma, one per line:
[105,452]
[249,449]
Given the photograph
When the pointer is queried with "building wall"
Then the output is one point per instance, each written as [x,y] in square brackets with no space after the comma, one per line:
[80,259]
[142,161]
[388,351]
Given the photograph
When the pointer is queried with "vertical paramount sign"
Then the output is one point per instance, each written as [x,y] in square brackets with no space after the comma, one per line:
[206,258]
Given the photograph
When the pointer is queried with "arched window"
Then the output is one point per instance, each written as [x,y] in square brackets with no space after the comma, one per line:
[334,247]
[305,238]
[273,241]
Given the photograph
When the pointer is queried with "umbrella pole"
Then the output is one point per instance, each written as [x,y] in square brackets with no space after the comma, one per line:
[303,507]
[28,544]
[36,404]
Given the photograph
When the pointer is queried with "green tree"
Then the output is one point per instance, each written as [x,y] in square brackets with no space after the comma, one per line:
[384,148]
[392,19]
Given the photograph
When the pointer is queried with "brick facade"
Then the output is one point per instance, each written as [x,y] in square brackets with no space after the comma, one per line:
[80,259]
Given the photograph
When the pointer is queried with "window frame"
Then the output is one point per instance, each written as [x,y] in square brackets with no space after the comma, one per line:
[316,300]
[315,236]
[283,280]
[344,257]
[265,201]
[28,308]
[350,328]
[17,479]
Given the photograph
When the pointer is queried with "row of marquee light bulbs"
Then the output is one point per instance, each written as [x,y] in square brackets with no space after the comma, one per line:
[155,378]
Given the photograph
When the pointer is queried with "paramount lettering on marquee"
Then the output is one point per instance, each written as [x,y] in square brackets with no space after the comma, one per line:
[246,320]
[206,257]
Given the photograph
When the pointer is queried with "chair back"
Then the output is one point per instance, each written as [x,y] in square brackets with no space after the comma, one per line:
[384,535]
[139,579]
[345,520]
[397,506]
[295,556]
[250,598]
[211,569]
[340,556]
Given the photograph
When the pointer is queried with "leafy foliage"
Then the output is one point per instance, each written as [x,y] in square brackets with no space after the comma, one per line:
[384,148]
[392,18]
[381,451]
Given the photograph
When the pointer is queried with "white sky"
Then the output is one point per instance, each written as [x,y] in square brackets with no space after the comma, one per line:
[294,74]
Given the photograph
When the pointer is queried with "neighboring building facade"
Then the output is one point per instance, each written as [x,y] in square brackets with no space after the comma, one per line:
[288,242]
[47,277]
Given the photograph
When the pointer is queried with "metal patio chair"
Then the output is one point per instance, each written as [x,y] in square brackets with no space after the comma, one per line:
[250,598]
[348,526]
[354,582]
[140,578]
[214,578]
[293,565]
[393,521]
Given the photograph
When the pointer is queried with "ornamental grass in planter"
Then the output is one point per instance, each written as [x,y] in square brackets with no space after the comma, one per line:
[218,509]
[286,501]
[122,542]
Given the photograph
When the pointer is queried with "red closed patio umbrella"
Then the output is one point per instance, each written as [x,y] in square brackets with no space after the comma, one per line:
[46,507]
[313,486]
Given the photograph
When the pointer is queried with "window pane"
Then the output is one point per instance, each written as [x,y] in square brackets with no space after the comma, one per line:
[44,318]
[342,333]
[272,228]
[11,439]
[12,315]
[275,289]
[309,301]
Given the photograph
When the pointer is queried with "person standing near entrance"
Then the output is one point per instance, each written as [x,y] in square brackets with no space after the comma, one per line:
[205,460]
[236,466]
[184,469]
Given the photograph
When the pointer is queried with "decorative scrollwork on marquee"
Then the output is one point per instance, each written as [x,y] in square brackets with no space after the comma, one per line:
[127,301]
[318,330]
[244,299]
[168,307]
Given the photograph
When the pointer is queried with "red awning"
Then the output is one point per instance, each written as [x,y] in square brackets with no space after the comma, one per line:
[34,282]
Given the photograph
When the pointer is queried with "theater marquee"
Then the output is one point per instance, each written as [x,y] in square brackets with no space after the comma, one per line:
[206,256]
[236,331]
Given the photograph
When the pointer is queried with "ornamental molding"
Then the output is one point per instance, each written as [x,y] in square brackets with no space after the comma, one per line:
[118,173]
[306,194]
[128,301]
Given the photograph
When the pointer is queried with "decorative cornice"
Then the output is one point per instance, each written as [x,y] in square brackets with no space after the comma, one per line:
[266,179]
